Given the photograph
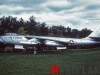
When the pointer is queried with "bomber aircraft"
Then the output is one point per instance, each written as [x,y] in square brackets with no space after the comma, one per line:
[36,43]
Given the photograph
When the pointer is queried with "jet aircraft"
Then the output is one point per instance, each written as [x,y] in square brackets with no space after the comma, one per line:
[26,42]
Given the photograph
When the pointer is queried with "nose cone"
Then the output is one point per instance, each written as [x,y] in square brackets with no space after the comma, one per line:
[1,41]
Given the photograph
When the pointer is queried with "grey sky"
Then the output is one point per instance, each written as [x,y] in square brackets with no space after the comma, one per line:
[73,13]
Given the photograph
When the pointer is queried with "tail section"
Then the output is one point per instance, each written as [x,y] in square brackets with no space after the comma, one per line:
[95,34]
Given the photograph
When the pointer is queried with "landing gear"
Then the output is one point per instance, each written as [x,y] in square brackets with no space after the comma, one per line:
[28,49]
[35,50]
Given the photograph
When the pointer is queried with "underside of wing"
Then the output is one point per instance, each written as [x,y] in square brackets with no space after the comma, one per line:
[51,42]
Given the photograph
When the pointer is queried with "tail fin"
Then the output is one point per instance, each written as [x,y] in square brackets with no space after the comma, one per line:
[95,34]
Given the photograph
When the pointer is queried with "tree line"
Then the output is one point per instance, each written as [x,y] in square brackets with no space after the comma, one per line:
[32,27]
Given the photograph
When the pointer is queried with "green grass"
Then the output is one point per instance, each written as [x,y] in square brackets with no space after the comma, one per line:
[69,63]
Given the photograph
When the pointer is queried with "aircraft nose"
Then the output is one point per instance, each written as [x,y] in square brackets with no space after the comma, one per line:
[1,40]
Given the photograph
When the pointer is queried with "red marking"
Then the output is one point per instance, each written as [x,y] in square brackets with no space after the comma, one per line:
[54,69]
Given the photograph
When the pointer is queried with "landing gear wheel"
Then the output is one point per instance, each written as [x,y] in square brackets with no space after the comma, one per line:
[35,50]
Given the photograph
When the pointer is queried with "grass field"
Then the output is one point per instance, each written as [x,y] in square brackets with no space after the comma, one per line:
[70,63]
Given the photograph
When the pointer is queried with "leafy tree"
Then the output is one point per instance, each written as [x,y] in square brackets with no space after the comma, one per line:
[84,32]
[74,33]
[22,31]
[67,32]
[51,34]
[32,27]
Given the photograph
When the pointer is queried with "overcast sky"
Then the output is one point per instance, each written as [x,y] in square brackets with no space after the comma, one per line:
[73,13]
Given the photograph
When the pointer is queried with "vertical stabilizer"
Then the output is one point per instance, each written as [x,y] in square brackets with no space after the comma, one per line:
[95,34]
